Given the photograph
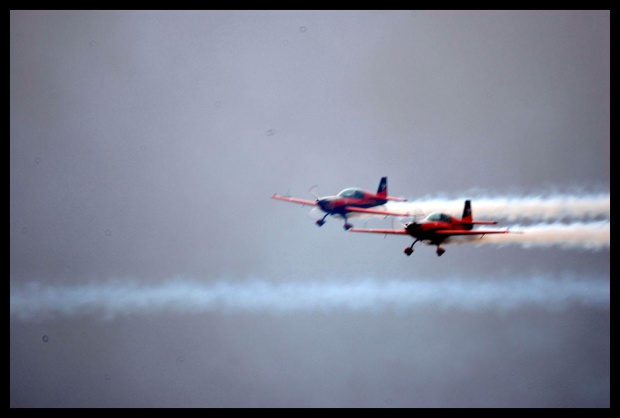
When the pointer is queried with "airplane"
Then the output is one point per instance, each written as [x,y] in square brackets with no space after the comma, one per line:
[349,202]
[438,227]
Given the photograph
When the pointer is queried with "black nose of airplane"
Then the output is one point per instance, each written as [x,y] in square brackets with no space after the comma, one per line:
[412,226]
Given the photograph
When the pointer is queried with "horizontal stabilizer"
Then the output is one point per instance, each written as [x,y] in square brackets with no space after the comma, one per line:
[466,232]
[482,222]
[396,199]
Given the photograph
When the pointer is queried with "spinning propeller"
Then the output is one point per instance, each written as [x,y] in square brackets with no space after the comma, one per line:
[316,195]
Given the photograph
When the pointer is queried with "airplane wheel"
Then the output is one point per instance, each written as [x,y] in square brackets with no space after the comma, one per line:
[347,227]
[320,222]
[408,251]
[440,251]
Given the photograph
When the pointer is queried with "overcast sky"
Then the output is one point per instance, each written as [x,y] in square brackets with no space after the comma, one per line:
[144,147]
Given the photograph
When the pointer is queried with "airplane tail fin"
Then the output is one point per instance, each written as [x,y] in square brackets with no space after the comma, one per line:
[382,190]
[467,217]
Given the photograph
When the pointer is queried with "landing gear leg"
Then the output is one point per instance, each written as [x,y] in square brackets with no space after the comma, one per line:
[347,225]
[409,250]
[321,222]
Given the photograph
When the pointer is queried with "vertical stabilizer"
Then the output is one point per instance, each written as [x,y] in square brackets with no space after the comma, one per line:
[467,217]
[382,190]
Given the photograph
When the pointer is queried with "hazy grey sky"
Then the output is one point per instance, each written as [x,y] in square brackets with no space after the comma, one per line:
[145,146]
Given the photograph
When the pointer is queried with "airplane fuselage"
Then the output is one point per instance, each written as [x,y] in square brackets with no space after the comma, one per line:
[427,230]
[437,227]
[338,205]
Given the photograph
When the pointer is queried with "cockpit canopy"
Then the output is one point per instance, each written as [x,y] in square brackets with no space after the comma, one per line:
[352,192]
[438,217]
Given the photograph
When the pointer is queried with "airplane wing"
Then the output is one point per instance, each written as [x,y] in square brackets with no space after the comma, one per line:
[467,232]
[380,231]
[294,200]
[375,211]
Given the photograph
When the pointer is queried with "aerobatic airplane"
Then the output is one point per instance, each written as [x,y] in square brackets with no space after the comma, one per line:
[437,228]
[350,201]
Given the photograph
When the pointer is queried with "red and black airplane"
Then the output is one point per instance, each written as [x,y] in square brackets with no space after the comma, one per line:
[350,201]
[437,228]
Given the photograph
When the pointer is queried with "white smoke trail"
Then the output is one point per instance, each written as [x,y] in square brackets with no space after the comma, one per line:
[36,302]
[590,235]
[536,208]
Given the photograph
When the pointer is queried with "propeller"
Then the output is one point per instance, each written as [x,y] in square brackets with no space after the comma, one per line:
[414,220]
[316,195]
[401,225]
[418,214]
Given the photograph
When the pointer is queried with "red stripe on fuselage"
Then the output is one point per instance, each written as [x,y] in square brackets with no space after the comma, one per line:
[339,205]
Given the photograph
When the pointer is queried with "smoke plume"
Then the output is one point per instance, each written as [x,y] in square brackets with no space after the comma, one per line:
[588,235]
[512,208]
[36,302]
